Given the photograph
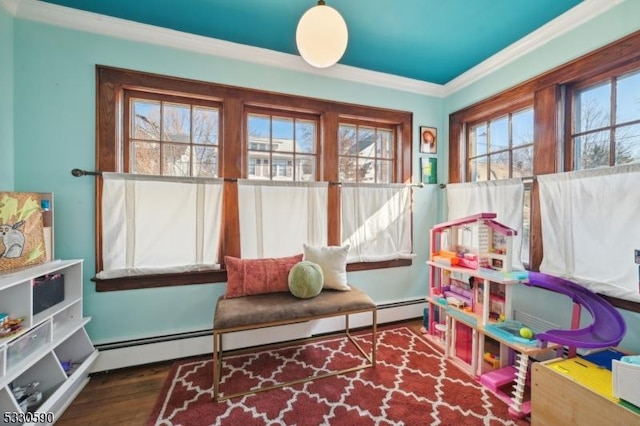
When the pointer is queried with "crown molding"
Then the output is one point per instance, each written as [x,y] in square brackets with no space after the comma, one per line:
[119,28]
[564,23]
[10,5]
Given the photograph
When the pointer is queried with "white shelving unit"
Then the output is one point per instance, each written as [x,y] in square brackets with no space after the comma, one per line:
[47,339]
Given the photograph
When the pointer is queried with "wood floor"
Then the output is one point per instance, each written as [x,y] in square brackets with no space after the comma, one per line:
[120,397]
[125,396]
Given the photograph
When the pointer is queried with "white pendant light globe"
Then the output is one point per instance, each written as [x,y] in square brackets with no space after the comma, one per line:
[322,36]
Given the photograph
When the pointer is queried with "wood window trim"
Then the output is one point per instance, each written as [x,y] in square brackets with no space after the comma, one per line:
[189,278]
[547,92]
[110,85]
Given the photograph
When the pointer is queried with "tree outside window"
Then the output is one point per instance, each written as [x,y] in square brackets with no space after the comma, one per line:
[606,122]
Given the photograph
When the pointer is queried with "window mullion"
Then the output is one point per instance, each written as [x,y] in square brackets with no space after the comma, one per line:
[612,121]
[330,164]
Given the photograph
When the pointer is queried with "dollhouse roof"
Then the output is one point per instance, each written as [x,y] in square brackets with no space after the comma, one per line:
[487,218]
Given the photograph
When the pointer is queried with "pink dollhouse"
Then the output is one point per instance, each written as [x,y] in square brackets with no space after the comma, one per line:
[476,242]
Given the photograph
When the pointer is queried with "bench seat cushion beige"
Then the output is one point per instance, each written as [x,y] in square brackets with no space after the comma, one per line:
[252,311]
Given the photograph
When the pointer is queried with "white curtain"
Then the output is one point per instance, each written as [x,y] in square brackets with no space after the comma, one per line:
[157,224]
[376,221]
[277,218]
[504,197]
[591,227]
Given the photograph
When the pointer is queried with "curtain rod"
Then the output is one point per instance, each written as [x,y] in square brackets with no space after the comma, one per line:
[418,185]
[80,173]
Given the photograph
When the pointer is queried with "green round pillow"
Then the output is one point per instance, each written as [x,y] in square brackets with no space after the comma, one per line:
[305,279]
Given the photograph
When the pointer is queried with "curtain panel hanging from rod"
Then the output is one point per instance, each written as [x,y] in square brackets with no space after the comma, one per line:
[159,225]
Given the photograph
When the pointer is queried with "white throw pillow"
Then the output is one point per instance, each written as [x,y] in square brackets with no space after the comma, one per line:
[333,262]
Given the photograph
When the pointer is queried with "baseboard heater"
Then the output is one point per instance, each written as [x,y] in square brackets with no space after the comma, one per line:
[128,353]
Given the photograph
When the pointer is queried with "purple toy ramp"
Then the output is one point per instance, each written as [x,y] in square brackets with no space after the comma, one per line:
[608,326]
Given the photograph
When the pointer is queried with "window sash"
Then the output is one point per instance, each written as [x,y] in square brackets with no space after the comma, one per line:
[366,152]
[611,140]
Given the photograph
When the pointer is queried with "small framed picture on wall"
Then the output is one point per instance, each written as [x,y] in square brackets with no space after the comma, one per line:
[428,170]
[428,140]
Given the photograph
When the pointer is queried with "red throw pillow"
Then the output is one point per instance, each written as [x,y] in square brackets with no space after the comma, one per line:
[257,276]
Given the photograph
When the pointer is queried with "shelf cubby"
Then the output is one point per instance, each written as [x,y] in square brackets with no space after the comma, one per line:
[47,338]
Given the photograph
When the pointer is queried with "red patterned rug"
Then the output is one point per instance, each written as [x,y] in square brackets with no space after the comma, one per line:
[412,384]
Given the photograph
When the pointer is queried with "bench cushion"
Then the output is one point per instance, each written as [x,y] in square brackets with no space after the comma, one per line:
[282,307]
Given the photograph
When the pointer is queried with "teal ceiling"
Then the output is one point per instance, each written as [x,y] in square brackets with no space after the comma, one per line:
[428,40]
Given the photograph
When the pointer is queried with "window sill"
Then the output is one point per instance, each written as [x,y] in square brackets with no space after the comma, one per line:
[365,266]
[160,280]
[209,277]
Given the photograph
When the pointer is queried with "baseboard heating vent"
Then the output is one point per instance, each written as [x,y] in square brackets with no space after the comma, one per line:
[154,339]
[132,352]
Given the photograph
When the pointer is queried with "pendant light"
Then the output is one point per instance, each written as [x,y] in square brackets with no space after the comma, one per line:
[322,36]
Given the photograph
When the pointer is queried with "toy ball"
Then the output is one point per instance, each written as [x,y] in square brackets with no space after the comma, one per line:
[526,332]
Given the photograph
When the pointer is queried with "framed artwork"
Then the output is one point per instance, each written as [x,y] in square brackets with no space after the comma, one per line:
[21,231]
[428,170]
[428,140]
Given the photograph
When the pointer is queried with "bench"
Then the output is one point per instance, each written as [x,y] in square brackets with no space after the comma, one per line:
[273,309]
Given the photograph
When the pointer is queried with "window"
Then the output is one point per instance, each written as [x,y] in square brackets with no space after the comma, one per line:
[184,129]
[170,136]
[502,147]
[366,153]
[605,121]
[287,142]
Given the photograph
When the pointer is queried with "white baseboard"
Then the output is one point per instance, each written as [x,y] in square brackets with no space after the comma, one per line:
[114,356]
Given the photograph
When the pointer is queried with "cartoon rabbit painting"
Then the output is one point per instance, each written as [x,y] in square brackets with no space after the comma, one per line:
[21,230]
[12,239]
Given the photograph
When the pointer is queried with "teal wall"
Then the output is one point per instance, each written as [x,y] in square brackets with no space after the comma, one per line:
[6,100]
[55,117]
[606,28]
